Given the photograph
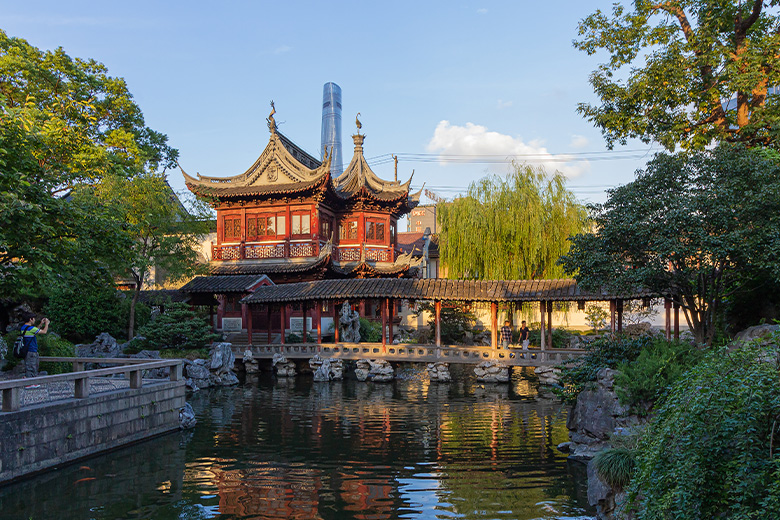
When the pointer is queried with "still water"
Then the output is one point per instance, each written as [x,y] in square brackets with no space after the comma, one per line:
[275,448]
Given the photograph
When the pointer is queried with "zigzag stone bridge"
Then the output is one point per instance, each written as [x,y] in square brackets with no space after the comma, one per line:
[412,353]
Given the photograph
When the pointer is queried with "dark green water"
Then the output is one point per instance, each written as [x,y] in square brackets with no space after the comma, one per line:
[273,449]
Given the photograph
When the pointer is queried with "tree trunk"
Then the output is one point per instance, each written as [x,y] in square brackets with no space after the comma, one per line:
[133,302]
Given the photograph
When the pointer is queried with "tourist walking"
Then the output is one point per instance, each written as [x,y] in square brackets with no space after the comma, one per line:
[30,333]
[524,335]
[506,335]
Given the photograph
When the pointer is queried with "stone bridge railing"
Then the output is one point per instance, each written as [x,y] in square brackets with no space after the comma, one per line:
[413,353]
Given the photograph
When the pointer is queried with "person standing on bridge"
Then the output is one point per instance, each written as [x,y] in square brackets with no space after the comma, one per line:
[30,331]
[524,335]
[506,335]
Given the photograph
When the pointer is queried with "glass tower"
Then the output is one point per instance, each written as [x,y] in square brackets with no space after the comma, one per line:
[331,125]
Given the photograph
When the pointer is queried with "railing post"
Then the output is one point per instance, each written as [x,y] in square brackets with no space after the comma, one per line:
[177,372]
[78,366]
[11,399]
[81,388]
[136,381]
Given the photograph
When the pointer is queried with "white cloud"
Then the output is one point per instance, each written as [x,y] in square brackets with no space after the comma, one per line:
[482,11]
[282,49]
[504,104]
[579,141]
[478,141]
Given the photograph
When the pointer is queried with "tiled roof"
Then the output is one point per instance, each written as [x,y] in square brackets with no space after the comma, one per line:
[429,289]
[221,284]
[408,242]
[244,267]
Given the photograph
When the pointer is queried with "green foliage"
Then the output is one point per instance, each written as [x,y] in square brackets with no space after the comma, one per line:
[560,338]
[178,327]
[684,73]
[510,228]
[658,366]
[370,331]
[596,316]
[615,466]
[81,312]
[711,451]
[64,123]
[607,352]
[692,225]
[456,320]
[53,346]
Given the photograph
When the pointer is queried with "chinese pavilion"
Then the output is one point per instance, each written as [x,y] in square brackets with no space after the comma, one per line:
[289,219]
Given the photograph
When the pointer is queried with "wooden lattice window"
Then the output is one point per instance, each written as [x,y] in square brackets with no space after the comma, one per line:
[301,224]
[375,231]
[232,228]
[348,230]
[265,226]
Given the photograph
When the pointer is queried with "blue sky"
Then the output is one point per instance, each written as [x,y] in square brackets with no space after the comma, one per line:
[438,78]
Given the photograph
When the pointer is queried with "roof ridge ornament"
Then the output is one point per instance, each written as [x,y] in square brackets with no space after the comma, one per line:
[358,124]
[271,120]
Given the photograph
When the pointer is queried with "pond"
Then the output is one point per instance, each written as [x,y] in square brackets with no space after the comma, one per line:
[292,448]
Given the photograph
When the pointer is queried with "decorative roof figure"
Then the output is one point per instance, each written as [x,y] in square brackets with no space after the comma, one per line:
[358,124]
[271,120]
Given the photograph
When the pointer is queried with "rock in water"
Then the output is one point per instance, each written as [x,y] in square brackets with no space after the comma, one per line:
[326,369]
[376,370]
[283,367]
[251,365]
[548,375]
[439,372]
[187,418]
[492,371]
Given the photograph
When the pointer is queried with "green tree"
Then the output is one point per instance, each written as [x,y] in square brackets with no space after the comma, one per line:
[163,234]
[685,72]
[691,225]
[509,228]
[178,327]
[64,123]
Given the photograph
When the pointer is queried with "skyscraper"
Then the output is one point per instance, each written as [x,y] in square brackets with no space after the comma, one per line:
[331,125]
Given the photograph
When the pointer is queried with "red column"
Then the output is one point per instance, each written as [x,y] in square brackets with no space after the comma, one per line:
[668,310]
[335,322]
[543,309]
[268,321]
[305,332]
[384,323]
[676,321]
[612,316]
[494,324]
[619,305]
[284,320]
[244,313]
[549,324]
[249,326]
[318,314]
[437,320]
[391,313]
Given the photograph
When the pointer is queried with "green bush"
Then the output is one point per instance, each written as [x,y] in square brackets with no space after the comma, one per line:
[657,367]
[596,316]
[711,450]
[560,338]
[178,327]
[615,466]
[370,331]
[48,345]
[606,352]
[81,312]
[455,321]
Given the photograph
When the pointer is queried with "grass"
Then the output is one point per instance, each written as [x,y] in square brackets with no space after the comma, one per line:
[615,466]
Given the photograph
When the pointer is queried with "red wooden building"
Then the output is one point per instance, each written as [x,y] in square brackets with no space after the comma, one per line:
[288,219]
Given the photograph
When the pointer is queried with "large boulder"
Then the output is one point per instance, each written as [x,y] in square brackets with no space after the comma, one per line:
[439,372]
[596,417]
[155,373]
[187,418]
[327,369]
[762,333]
[492,371]
[104,346]
[283,367]
[197,374]
[548,375]
[221,364]
[608,501]
[376,370]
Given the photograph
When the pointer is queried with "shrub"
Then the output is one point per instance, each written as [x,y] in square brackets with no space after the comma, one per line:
[560,338]
[607,352]
[615,466]
[711,450]
[456,320]
[655,369]
[596,316]
[370,331]
[81,312]
[178,327]
[48,345]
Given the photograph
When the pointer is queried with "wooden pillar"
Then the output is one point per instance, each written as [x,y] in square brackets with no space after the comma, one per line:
[543,309]
[211,318]
[549,323]
[384,322]
[318,314]
[668,311]
[249,325]
[362,308]
[612,316]
[335,322]
[676,321]
[437,320]
[494,325]
[244,312]
[283,310]
[268,320]
[391,315]
[619,307]
[305,338]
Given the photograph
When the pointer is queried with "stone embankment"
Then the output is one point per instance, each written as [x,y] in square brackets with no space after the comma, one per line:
[376,370]
[327,369]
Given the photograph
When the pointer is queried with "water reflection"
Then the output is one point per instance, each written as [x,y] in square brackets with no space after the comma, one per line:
[292,448]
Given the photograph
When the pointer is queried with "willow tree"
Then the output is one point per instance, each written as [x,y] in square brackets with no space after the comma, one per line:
[513,227]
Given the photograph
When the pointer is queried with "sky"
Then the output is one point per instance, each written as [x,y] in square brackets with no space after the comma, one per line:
[456,89]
